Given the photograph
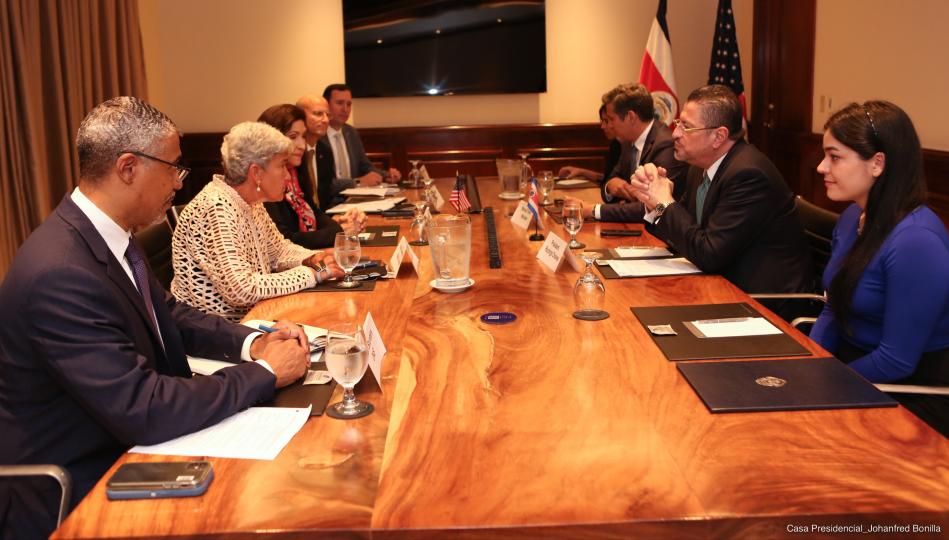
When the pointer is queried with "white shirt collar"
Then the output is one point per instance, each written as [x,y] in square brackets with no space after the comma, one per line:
[714,167]
[115,236]
[330,131]
[641,141]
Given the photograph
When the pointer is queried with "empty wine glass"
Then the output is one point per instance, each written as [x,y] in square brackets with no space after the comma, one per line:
[572,222]
[419,225]
[346,358]
[347,251]
[546,186]
[589,293]
[526,174]
[415,175]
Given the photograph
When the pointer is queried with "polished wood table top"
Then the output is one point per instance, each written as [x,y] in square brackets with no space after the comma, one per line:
[546,427]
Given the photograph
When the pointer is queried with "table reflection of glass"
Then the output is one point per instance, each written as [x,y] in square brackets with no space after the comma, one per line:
[589,293]
[346,359]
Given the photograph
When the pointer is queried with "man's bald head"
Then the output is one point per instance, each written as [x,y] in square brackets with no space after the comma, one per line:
[317,116]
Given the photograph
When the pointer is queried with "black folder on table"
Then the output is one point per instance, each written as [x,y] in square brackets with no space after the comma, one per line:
[299,396]
[377,239]
[781,385]
[367,285]
[687,346]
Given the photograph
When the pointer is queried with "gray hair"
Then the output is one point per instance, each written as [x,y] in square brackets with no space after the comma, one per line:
[121,124]
[248,143]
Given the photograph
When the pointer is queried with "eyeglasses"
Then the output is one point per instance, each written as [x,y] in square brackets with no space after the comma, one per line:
[182,170]
[687,130]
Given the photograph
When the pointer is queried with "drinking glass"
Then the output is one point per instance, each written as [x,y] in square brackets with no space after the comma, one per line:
[346,359]
[347,251]
[546,186]
[527,173]
[589,292]
[449,240]
[419,225]
[572,222]
[415,175]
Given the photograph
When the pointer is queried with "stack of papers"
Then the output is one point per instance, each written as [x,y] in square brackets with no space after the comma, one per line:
[653,267]
[572,182]
[641,252]
[369,206]
[735,327]
[257,433]
[379,191]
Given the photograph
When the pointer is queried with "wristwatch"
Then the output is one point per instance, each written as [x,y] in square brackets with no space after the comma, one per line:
[660,209]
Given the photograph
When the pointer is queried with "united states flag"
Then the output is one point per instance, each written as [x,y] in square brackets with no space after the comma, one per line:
[458,197]
[725,67]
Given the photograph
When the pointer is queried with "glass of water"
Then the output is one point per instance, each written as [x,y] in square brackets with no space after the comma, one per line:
[346,359]
[347,251]
[415,175]
[449,239]
[573,222]
[546,186]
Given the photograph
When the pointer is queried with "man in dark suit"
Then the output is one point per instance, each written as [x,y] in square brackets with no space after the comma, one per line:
[352,163]
[92,348]
[737,216]
[631,115]
[319,168]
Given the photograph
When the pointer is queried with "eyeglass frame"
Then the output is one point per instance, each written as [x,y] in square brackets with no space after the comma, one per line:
[687,130]
[183,171]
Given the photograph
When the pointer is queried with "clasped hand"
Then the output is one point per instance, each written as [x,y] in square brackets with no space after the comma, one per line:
[286,350]
[650,185]
[324,264]
[353,221]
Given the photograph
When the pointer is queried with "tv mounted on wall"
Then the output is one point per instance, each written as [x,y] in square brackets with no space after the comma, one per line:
[441,47]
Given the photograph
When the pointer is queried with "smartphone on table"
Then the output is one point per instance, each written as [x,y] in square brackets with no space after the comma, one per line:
[159,480]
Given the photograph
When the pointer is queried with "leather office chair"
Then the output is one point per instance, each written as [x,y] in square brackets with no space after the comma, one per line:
[23,474]
[819,228]
[156,243]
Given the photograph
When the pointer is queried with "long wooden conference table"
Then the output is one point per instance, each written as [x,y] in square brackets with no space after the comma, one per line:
[548,427]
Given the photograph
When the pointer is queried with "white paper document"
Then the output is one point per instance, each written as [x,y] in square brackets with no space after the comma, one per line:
[572,182]
[653,267]
[641,252]
[735,327]
[379,191]
[256,433]
[368,206]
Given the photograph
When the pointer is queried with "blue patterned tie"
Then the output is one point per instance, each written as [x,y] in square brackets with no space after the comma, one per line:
[700,196]
[140,271]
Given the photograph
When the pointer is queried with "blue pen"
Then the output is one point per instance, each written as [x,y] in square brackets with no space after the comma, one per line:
[265,328]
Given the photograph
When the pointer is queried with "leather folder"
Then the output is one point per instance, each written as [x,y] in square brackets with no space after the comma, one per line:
[377,240]
[298,396]
[781,385]
[687,346]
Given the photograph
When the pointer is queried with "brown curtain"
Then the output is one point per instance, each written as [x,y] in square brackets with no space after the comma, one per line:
[58,59]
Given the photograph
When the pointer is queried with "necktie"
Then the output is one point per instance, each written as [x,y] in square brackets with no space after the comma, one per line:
[342,160]
[633,160]
[700,196]
[140,271]
[309,157]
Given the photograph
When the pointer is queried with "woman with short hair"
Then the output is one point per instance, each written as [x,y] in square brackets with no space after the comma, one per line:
[227,253]
[887,314]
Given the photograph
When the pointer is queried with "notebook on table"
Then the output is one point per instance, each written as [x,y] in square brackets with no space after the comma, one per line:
[781,385]
[698,342]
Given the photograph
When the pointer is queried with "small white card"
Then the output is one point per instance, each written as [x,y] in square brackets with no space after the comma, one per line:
[554,252]
[374,347]
[522,216]
[439,200]
[735,327]
[314,376]
[365,236]
[389,234]
[641,252]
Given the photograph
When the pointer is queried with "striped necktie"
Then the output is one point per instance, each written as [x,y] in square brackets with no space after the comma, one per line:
[339,153]
[700,196]
[139,267]
[309,157]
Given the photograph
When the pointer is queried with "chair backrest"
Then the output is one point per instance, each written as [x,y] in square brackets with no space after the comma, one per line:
[156,243]
[819,227]
[26,477]
[172,215]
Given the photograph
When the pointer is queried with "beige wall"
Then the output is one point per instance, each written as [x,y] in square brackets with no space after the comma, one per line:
[213,63]
[878,49]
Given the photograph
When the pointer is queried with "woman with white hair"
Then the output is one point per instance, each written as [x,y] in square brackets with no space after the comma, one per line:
[227,253]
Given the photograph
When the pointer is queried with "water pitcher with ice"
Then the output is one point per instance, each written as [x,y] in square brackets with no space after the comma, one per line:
[449,238]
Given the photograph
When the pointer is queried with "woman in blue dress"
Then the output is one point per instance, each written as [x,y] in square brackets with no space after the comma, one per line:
[887,281]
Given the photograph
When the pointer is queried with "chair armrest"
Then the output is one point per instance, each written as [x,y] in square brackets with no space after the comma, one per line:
[913,389]
[803,320]
[55,472]
[790,296]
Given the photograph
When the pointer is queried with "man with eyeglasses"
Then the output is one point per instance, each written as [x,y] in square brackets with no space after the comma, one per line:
[737,216]
[630,113]
[92,348]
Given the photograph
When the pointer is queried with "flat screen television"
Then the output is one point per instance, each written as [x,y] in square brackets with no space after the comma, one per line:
[440,47]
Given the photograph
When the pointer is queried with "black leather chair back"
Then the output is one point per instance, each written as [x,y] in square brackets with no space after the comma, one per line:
[819,227]
[156,243]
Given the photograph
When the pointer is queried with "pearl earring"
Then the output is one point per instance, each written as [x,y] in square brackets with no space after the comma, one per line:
[258,187]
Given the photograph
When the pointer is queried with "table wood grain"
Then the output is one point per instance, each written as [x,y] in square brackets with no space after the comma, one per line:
[549,427]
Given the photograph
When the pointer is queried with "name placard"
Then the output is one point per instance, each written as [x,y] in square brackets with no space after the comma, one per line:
[437,198]
[375,349]
[522,216]
[553,253]
[395,262]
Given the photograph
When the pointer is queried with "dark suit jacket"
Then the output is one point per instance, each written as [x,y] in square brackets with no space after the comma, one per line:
[83,375]
[657,149]
[611,158]
[285,217]
[359,164]
[750,232]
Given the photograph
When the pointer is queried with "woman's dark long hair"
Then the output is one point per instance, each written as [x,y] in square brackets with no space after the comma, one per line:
[282,116]
[876,126]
